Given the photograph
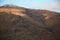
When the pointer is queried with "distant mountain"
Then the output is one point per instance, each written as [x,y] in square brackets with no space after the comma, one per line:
[19,23]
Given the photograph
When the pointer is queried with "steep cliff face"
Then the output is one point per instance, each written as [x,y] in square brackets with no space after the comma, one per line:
[18,23]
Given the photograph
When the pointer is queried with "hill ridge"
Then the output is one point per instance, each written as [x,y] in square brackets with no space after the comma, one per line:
[28,24]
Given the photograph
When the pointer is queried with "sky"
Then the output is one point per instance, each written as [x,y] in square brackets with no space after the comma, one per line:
[53,5]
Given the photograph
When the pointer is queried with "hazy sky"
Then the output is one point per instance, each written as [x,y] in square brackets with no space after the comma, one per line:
[53,5]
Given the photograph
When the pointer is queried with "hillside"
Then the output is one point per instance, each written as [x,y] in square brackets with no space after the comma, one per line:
[18,23]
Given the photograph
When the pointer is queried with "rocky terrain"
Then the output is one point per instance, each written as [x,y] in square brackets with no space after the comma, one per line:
[19,23]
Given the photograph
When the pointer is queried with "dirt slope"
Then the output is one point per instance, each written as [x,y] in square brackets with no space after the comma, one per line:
[18,23]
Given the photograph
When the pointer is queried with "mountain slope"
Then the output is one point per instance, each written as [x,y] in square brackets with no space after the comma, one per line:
[18,23]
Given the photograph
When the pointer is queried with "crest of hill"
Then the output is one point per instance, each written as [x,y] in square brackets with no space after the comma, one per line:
[11,6]
[19,7]
[31,23]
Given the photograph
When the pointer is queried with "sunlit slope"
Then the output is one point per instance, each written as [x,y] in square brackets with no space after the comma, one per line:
[18,23]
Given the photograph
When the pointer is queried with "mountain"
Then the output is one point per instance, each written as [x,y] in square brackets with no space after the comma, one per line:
[19,23]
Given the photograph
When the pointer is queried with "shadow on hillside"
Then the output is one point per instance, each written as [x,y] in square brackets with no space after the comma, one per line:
[14,27]
[36,15]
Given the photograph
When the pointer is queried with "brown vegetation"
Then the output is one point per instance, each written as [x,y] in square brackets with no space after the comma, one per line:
[17,23]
